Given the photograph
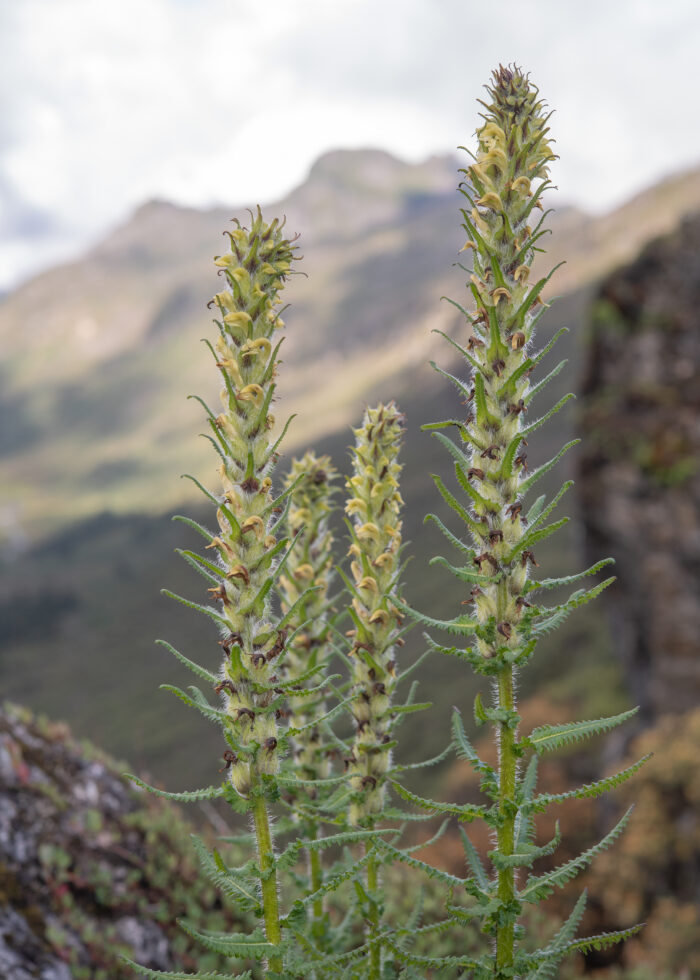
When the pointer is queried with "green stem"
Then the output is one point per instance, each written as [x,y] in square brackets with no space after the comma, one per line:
[375,954]
[268,876]
[505,936]
[316,873]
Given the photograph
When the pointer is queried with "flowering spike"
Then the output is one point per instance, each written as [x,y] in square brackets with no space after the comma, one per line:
[504,184]
[304,588]
[374,504]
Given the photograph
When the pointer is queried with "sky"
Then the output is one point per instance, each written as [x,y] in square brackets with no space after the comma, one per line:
[104,105]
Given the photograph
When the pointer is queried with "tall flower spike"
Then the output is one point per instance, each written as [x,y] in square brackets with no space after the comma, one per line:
[248,541]
[509,177]
[374,505]
[504,188]
[304,590]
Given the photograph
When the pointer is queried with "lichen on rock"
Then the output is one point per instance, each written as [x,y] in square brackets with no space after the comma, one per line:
[91,868]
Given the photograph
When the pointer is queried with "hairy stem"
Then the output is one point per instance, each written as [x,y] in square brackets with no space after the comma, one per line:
[506,805]
[375,955]
[268,877]
[316,875]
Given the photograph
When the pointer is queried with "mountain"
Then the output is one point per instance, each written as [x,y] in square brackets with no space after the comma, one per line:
[99,354]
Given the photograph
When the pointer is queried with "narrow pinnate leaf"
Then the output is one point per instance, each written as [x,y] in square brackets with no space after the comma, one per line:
[547,738]
[188,796]
[543,885]
[589,790]
[165,975]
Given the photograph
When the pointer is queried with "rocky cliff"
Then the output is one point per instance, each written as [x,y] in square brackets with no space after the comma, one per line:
[640,466]
[90,869]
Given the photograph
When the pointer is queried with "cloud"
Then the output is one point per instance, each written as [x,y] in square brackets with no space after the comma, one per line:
[106,105]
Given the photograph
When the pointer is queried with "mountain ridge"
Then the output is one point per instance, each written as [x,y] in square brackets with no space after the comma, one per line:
[100,352]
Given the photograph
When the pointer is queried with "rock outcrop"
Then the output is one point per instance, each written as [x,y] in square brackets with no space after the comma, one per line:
[90,868]
[640,472]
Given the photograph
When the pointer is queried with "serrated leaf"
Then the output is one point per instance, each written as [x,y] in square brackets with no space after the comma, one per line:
[474,862]
[525,855]
[459,626]
[559,613]
[547,738]
[534,535]
[217,715]
[165,975]
[541,886]
[464,574]
[418,865]
[536,389]
[568,930]
[452,502]
[536,509]
[524,824]
[207,610]
[241,945]
[544,418]
[452,538]
[430,962]
[459,385]
[188,796]
[190,664]
[589,790]
[463,746]
[406,709]
[471,656]
[484,418]
[555,583]
[526,485]
[290,855]
[452,449]
[601,941]
[466,811]
[235,885]
[207,535]
[535,519]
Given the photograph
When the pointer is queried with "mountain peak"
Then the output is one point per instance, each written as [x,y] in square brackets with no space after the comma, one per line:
[378,170]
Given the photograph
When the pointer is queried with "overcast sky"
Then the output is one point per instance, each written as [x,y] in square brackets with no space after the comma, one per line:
[106,104]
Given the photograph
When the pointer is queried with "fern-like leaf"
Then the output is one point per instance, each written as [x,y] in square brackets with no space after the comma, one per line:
[546,969]
[548,738]
[188,796]
[540,887]
[588,790]
[164,975]
[240,945]
[466,811]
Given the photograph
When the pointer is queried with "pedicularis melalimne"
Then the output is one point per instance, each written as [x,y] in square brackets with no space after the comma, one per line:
[320,901]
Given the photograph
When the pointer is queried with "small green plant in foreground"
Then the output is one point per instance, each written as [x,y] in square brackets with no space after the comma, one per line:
[314,747]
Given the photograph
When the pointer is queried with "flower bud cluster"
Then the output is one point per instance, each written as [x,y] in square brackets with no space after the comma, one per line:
[374,506]
[506,182]
[304,590]
[248,543]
